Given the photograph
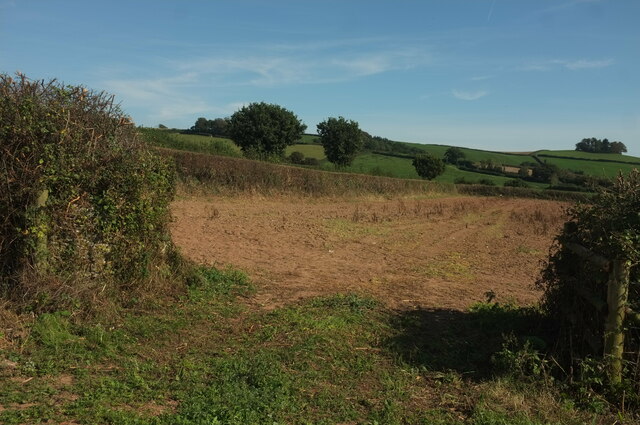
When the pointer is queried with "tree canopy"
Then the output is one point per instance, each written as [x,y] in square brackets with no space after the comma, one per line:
[428,166]
[214,127]
[453,155]
[264,130]
[342,140]
[594,145]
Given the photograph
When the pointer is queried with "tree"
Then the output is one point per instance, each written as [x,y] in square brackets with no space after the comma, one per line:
[617,147]
[453,155]
[201,125]
[264,130]
[219,126]
[594,145]
[341,140]
[428,166]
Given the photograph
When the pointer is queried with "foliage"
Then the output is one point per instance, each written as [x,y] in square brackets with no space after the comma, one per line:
[83,198]
[428,166]
[341,139]
[516,183]
[232,175]
[575,289]
[216,127]
[600,146]
[296,157]
[264,130]
[453,155]
[189,142]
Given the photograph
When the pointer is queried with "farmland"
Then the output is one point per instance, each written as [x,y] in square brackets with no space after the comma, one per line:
[399,166]
[319,310]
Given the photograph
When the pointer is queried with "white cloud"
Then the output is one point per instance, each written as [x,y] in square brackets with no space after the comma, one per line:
[466,95]
[587,64]
[573,65]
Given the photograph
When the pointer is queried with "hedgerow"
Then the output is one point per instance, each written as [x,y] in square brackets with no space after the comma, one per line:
[84,202]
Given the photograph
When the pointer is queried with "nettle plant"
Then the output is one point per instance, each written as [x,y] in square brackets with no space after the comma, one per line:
[84,199]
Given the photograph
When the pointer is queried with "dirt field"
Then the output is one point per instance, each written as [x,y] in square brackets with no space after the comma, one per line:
[445,252]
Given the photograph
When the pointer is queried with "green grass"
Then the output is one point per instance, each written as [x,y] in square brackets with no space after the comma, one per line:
[476,155]
[309,151]
[592,168]
[590,156]
[210,359]
[190,142]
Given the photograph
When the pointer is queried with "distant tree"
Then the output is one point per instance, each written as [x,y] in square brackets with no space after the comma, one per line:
[618,147]
[219,126]
[201,125]
[162,126]
[594,145]
[453,155]
[341,139]
[428,166]
[264,130]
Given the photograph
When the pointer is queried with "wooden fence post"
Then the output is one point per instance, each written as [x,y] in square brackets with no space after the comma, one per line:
[617,295]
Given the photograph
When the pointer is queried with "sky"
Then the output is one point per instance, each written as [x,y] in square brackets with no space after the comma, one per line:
[506,75]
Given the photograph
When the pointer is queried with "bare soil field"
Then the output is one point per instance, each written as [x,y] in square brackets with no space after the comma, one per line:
[445,252]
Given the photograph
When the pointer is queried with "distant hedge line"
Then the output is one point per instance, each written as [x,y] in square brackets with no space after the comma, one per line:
[224,174]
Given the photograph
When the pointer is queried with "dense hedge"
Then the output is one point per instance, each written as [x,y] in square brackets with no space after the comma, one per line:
[83,198]
[223,174]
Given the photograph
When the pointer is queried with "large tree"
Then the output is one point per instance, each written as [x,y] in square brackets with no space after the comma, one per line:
[428,166]
[342,140]
[264,130]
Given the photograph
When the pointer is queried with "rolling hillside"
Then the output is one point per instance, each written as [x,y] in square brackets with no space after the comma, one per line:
[399,165]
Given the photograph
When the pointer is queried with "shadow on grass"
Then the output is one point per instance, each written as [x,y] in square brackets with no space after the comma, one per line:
[449,340]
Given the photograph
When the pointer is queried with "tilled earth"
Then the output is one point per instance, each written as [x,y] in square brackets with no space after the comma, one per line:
[409,253]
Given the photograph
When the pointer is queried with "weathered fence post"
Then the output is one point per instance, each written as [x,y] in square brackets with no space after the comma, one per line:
[617,294]
[41,220]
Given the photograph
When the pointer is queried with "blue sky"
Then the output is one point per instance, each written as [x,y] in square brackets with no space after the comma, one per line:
[508,75]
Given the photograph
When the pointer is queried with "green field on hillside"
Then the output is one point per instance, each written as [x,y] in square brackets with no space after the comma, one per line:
[591,156]
[401,167]
[592,168]
[475,155]
[308,150]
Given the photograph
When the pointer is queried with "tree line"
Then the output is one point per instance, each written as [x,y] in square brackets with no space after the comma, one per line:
[594,145]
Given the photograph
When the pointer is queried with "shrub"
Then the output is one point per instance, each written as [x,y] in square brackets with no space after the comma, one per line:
[296,157]
[576,289]
[516,183]
[428,166]
[84,200]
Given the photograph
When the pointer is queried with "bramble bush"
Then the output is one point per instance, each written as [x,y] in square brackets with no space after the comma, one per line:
[84,204]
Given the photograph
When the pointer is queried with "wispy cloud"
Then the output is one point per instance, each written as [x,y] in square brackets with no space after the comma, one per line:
[575,64]
[177,90]
[469,95]
[292,66]
[588,64]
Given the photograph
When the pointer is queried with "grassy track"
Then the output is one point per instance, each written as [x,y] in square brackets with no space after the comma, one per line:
[209,359]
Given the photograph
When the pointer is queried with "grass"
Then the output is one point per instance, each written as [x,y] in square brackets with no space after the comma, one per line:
[209,358]
[590,156]
[592,168]
[309,150]
[190,142]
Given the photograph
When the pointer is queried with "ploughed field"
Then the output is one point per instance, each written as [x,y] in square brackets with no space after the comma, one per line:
[447,252]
